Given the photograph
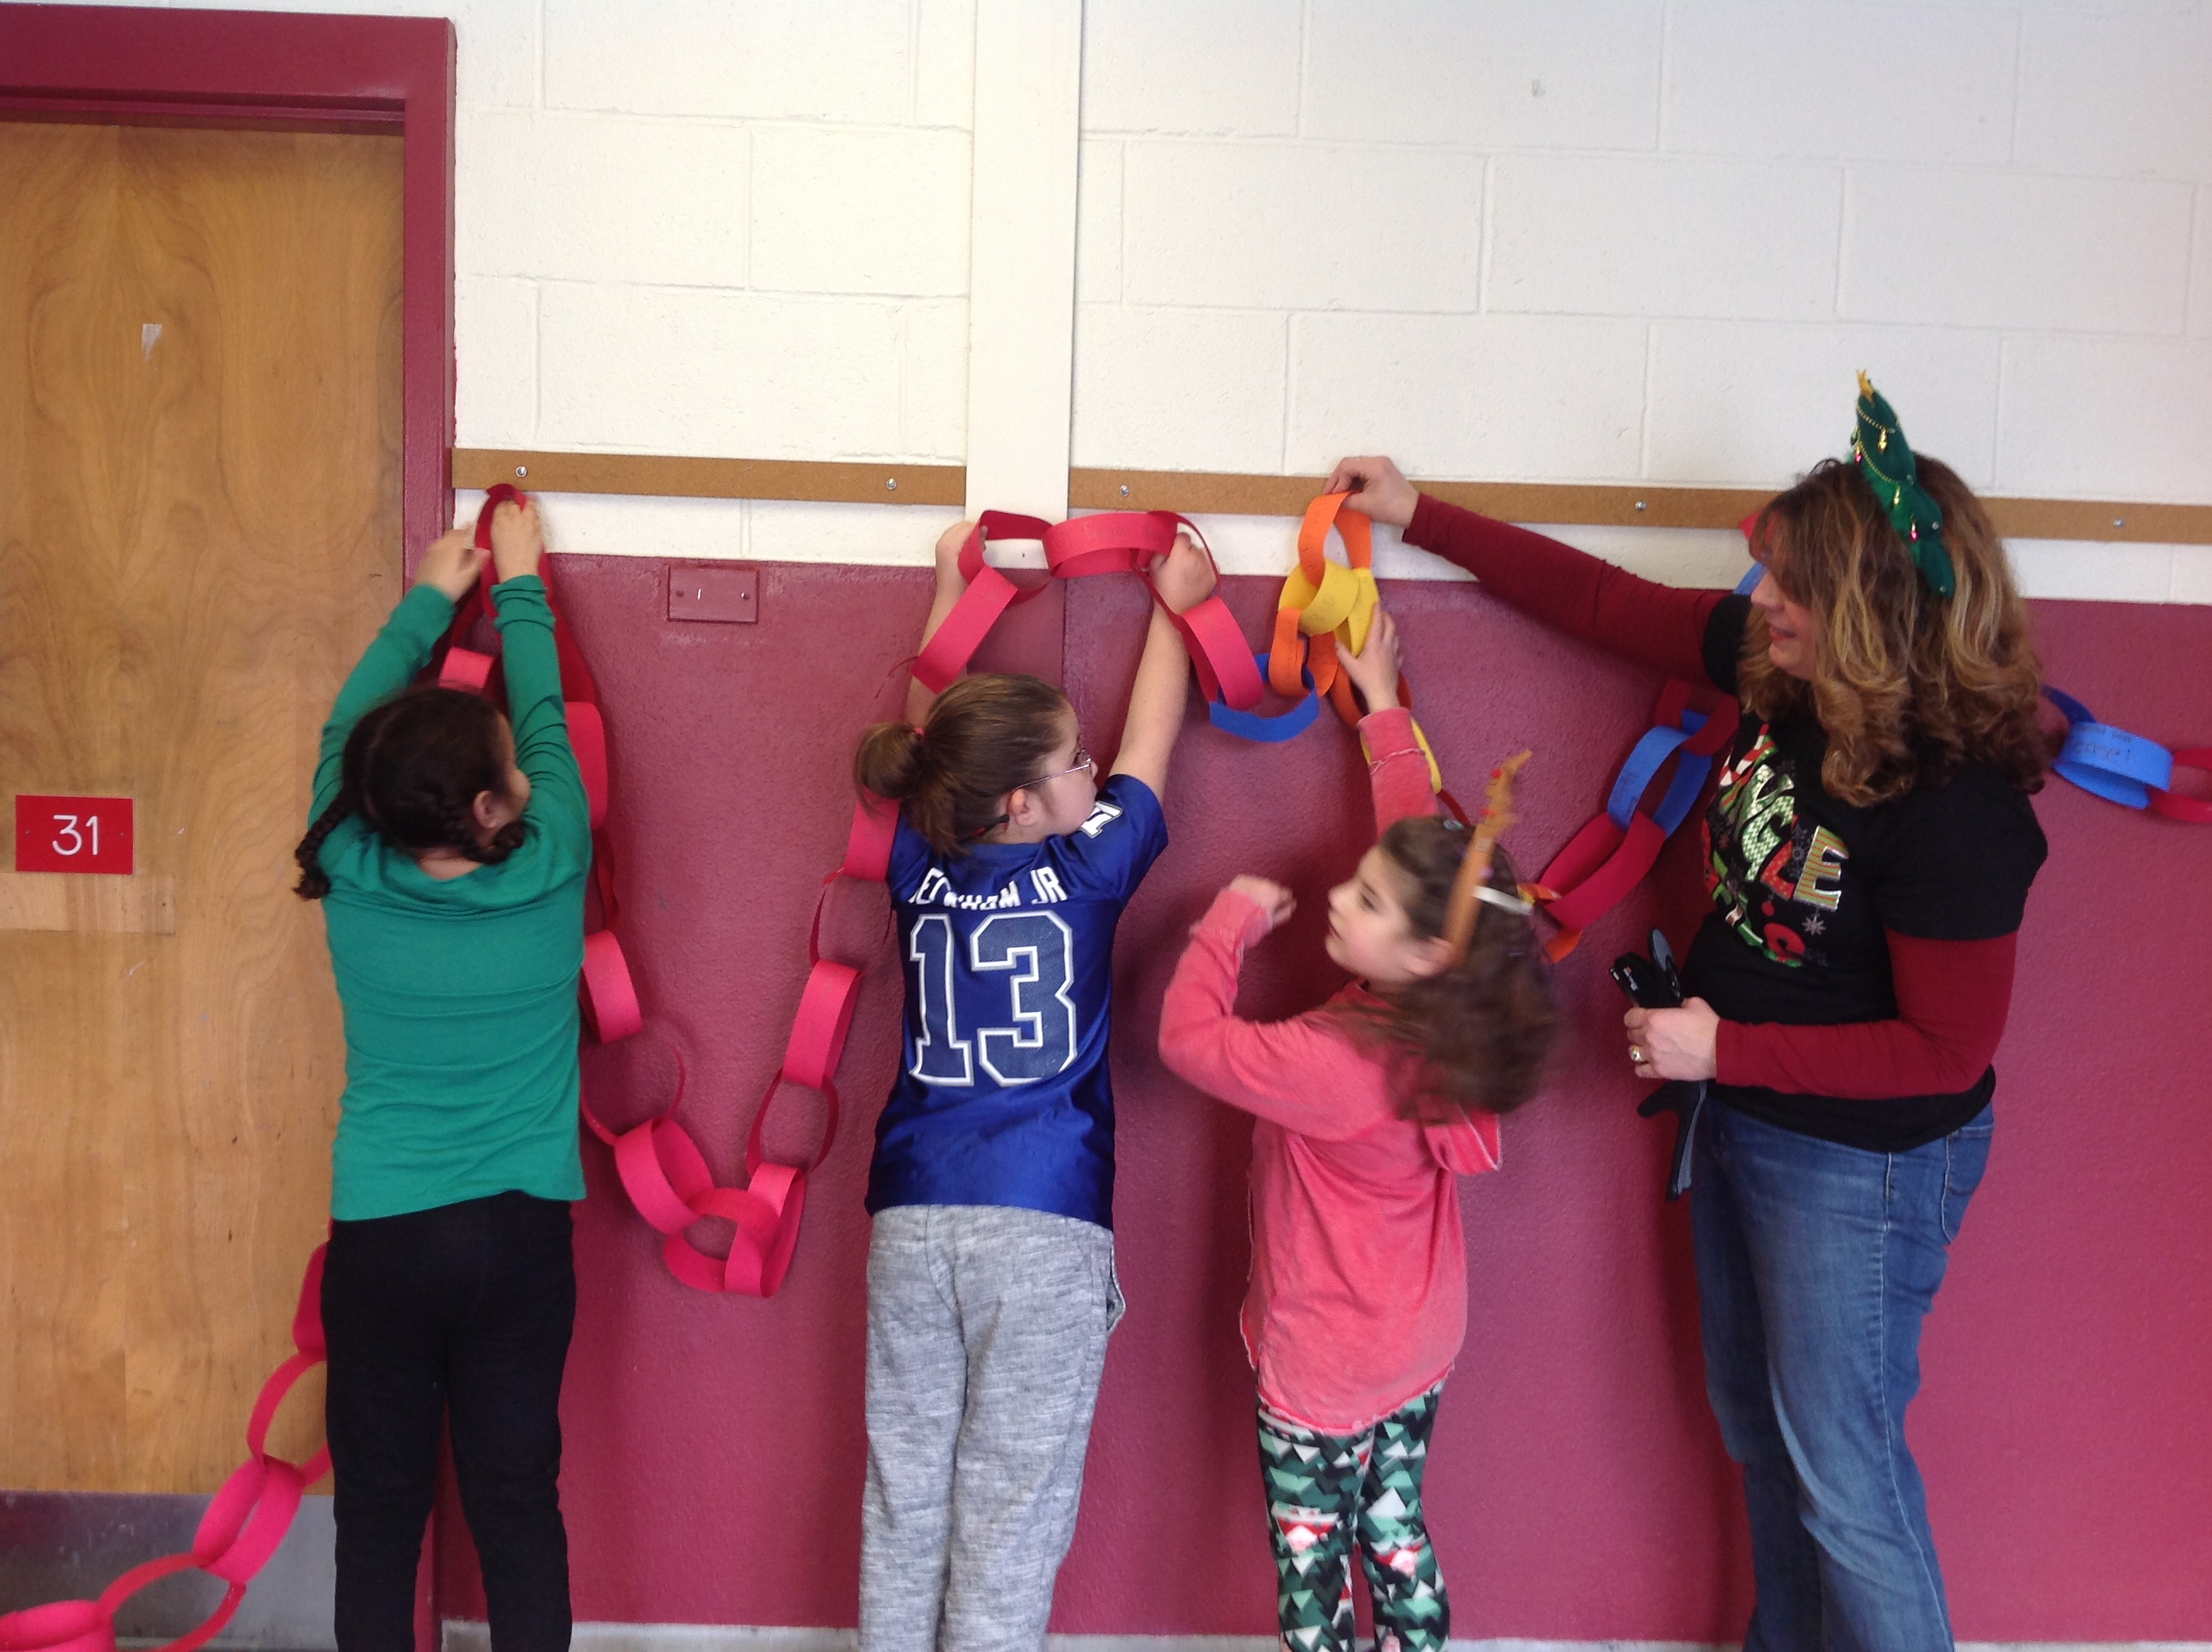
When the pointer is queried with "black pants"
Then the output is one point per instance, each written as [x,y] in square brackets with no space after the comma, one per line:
[466,1309]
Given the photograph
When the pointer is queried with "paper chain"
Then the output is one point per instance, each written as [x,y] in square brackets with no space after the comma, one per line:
[245,1521]
[661,1168]
[2126,769]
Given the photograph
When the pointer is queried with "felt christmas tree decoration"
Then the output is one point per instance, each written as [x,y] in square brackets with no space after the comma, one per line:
[1884,460]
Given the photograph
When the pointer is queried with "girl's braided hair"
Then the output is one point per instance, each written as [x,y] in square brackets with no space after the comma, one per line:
[412,769]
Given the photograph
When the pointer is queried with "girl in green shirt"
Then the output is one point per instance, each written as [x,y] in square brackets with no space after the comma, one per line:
[449,847]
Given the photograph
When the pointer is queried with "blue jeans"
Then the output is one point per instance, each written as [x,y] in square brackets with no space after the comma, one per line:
[1816,1264]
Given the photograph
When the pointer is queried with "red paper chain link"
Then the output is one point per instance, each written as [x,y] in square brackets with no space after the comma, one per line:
[244,1522]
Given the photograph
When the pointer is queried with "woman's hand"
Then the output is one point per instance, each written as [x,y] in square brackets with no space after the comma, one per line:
[1271,897]
[452,564]
[1185,575]
[1379,489]
[518,539]
[1679,1043]
[1374,669]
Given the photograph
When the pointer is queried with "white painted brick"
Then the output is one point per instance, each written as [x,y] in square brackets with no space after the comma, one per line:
[1699,559]
[495,363]
[1495,398]
[1884,82]
[765,59]
[1266,545]
[945,64]
[859,211]
[1984,249]
[629,525]
[1195,66]
[1506,74]
[1638,237]
[2131,95]
[2200,269]
[1756,404]
[2106,418]
[601,197]
[2192,573]
[1248,225]
[2090,571]
[1098,223]
[933,381]
[790,530]
[669,371]
[1179,389]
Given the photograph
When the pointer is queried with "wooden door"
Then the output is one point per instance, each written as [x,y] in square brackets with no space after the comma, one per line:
[199,532]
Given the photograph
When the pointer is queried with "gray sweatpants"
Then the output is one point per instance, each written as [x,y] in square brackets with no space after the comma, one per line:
[987,1335]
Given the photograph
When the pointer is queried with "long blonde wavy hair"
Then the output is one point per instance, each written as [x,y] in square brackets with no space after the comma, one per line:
[1911,687]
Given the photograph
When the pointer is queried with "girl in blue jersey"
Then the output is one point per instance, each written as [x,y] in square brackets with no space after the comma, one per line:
[991,1287]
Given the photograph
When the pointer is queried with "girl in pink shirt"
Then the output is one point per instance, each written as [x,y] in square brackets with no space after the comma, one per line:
[1367,1107]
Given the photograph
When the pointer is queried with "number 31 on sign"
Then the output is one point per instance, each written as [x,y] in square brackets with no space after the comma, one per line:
[73,835]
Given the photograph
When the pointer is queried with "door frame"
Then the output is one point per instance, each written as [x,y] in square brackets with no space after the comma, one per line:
[290,71]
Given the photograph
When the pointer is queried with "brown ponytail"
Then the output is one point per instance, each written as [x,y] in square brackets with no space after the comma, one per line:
[986,735]
[1474,1036]
[412,769]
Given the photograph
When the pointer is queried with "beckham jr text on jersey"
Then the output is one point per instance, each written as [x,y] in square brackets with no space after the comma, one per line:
[1003,1097]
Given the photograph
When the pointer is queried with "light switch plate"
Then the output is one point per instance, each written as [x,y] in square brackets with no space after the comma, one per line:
[714,591]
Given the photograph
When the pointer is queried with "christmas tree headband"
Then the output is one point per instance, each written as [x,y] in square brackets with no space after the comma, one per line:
[1884,460]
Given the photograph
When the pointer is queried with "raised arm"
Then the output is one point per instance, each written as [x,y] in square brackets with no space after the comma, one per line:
[531,664]
[950,586]
[1397,767]
[1157,698]
[1584,595]
[402,648]
[1298,1073]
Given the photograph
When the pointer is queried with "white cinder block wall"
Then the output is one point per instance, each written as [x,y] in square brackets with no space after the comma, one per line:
[1558,240]
[1624,240]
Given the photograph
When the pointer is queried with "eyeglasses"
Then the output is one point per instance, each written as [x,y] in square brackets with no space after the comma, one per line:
[1083,760]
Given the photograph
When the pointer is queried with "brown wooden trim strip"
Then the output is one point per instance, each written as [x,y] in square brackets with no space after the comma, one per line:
[1202,493]
[63,902]
[712,478]
[2102,519]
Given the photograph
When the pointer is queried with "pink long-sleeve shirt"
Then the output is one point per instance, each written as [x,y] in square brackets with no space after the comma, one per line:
[1358,1298]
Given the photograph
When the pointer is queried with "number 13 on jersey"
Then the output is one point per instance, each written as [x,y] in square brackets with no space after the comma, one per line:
[1003,1008]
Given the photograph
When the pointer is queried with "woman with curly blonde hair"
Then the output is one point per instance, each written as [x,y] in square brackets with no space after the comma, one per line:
[1869,846]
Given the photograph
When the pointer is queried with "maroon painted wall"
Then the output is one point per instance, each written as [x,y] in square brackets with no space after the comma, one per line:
[1577,1489]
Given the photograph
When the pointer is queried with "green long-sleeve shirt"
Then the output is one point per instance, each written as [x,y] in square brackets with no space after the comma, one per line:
[460,995]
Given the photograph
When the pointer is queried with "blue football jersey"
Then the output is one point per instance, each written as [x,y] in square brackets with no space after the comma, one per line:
[1003,1096]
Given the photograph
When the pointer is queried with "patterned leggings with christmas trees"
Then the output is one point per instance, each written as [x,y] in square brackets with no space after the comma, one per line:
[1328,1492]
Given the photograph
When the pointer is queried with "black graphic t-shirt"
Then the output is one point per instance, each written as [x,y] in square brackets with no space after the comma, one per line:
[1803,886]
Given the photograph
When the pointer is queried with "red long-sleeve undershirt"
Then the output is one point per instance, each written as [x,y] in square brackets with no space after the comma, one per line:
[1952,996]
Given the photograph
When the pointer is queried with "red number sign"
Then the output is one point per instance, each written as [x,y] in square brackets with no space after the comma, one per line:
[73,835]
